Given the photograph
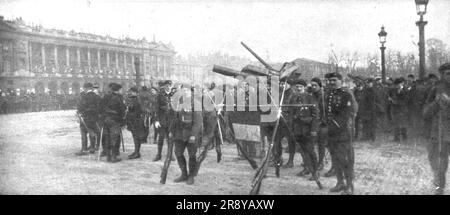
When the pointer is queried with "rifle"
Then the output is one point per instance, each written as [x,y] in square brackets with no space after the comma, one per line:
[259,58]
[101,137]
[261,172]
[121,139]
[85,126]
[238,144]
[170,144]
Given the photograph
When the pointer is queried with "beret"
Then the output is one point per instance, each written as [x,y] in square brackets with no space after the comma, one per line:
[399,80]
[443,67]
[333,75]
[134,89]
[299,81]
[88,85]
[115,86]
[317,80]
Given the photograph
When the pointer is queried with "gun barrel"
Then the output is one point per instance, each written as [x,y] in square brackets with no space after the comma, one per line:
[257,57]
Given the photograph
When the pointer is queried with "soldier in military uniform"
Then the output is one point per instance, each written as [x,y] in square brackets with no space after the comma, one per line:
[437,109]
[319,97]
[186,135]
[285,127]
[339,113]
[399,100]
[305,125]
[163,115]
[368,111]
[113,113]
[358,92]
[88,110]
[135,120]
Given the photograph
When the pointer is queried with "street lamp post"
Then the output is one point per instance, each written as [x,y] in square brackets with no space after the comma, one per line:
[421,7]
[138,71]
[382,35]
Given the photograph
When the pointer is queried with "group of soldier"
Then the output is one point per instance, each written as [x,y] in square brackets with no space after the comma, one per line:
[11,102]
[321,114]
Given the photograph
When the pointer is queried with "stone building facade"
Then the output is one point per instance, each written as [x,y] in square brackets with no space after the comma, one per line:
[35,59]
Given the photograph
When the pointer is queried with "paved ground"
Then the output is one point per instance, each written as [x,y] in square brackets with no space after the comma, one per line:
[37,157]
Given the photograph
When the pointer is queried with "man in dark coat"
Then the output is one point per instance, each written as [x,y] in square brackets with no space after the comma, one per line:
[88,111]
[113,113]
[358,92]
[368,111]
[339,109]
[399,99]
[305,123]
[319,97]
[437,109]
[135,120]
[163,115]
[186,132]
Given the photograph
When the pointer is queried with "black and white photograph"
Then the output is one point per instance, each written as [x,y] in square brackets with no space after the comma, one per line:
[224,97]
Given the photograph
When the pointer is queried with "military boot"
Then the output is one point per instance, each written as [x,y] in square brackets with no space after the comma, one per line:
[438,190]
[91,149]
[108,156]
[290,162]
[82,152]
[348,190]
[135,154]
[158,155]
[115,159]
[192,166]
[303,172]
[103,153]
[340,186]
[184,174]
[330,173]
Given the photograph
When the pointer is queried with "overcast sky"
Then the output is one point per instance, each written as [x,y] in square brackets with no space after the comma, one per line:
[282,30]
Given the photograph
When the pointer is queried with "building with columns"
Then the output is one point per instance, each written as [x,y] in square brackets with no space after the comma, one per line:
[35,59]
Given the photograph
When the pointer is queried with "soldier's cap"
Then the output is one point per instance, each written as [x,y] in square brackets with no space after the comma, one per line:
[88,85]
[134,89]
[167,82]
[399,80]
[299,81]
[443,67]
[96,85]
[317,80]
[283,79]
[431,75]
[411,76]
[115,86]
[333,75]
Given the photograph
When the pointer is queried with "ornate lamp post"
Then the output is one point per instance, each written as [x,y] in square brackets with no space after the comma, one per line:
[421,7]
[382,35]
